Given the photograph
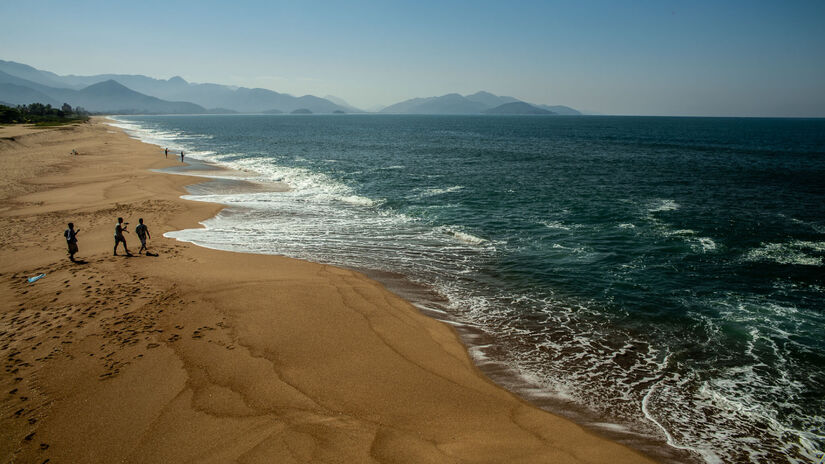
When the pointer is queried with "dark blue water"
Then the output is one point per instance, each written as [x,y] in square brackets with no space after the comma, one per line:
[665,277]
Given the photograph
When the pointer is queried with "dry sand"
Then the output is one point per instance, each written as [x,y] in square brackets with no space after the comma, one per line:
[200,355]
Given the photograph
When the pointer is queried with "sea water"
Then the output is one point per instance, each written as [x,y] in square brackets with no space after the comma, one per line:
[662,278]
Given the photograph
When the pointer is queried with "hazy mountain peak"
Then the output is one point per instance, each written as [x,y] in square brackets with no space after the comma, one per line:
[482,93]
[490,100]
[177,80]
[479,102]
[27,72]
[110,85]
[518,107]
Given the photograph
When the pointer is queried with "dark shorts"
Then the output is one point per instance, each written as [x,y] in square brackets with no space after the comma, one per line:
[142,240]
[120,239]
[72,247]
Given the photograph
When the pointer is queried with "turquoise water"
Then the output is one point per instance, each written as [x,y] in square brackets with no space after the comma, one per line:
[664,277]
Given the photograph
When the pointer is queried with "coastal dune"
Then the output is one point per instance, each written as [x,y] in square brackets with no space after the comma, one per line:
[200,355]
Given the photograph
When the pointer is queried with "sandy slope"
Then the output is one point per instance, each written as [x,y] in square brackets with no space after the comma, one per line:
[207,356]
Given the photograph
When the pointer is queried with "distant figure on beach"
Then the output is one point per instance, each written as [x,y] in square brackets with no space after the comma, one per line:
[71,240]
[74,152]
[166,151]
[142,232]
[120,228]
[181,156]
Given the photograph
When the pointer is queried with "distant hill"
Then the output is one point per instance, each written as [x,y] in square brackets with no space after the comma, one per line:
[301,111]
[29,73]
[13,95]
[451,103]
[105,97]
[51,92]
[235,99]
[490,100]
[517,107]
[479,102]
[112,96]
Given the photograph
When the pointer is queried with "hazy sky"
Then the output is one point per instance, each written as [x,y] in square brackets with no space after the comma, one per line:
[748,58]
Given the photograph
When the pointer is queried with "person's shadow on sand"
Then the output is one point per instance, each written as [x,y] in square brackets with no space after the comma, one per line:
[79,261]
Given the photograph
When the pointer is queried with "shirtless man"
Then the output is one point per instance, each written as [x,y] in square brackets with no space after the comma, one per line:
[120,228]
[142,232]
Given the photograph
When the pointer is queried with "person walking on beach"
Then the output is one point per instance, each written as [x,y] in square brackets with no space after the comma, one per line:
[181,156]
[71,240]
[120,228]
[166,150]
[142,232]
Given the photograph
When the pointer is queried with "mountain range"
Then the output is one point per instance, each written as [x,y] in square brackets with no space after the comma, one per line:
[137,94]
[518,107]
[126,93]
[479,102]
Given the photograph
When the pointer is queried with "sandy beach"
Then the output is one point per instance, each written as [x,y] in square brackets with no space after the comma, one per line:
[199,355]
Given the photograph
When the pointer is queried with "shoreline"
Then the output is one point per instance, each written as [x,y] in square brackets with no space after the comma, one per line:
[269,357]
[430,303]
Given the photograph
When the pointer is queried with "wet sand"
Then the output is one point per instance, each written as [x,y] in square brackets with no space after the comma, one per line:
[199,355]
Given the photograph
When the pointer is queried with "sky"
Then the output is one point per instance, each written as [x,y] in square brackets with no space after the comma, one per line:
[697,58]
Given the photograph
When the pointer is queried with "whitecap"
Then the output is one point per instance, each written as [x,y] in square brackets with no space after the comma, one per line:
[663,205]
[358,200]
[681,232]
[788,253]
[557,225]
[431,192]
[469,239]
[706,244]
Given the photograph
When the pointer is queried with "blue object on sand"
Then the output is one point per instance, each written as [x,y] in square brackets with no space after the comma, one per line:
[36,278]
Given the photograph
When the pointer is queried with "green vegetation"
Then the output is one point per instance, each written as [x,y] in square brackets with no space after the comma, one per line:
[42,115]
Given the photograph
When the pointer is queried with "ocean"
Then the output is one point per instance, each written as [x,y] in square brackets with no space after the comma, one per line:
[660,280]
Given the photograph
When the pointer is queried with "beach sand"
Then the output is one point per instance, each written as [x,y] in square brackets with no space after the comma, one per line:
[199,355]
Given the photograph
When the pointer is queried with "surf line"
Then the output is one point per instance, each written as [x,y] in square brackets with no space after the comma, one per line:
[709,456]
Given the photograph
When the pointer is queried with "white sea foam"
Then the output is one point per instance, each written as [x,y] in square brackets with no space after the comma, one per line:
[305,184]
[358,200]
[796,252]
[681,232]
[661,205]
[697,244]
[174,140]
[705,245]
[557,225]
[464,236]
[709,456]
[431,192]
